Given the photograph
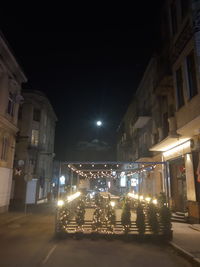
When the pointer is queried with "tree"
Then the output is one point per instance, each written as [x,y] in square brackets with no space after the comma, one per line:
[165,220]
[153,218]
[140,220]
[126,215]
[110,217]
[97,219]
[80,213]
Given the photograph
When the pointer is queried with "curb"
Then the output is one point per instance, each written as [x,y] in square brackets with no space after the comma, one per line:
[186,254]
[194,228]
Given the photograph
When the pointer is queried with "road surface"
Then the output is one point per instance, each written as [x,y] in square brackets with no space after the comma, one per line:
[30,242]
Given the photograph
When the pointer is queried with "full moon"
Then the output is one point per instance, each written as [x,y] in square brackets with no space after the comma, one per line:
[99,123]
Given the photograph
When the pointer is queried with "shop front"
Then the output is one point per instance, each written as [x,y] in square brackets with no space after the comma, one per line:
[178,184]
[181,179]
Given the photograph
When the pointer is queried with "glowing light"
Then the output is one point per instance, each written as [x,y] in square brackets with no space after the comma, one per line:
[74,196]
[60,203]
[148,199]
[155,201]
[112,203]
[62,180]
[80,165]
[131,195]
[99,123]
[180,146]
[141,197]
[109,184]
[105,165]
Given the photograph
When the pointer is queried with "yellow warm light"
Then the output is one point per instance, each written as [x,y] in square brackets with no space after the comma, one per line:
[74,196]
[136,196]
[141,197]
[155,201]
[112,203]
[148,199]
[131,195]
[170,151]
[60,203]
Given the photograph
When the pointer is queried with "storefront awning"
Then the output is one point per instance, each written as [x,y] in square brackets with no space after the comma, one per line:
[168,143]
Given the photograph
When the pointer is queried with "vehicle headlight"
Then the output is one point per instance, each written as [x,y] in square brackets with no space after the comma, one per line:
[60,203]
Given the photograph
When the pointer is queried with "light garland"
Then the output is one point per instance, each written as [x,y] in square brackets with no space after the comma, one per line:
[94,174]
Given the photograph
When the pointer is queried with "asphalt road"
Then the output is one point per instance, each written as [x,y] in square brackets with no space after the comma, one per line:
[30,242]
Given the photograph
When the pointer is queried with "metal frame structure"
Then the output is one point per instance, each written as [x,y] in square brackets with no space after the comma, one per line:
[83,167]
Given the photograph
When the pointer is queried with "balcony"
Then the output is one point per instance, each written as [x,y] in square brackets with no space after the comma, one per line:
[142,118]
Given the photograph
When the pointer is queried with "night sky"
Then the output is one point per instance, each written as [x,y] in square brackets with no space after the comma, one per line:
[88,72]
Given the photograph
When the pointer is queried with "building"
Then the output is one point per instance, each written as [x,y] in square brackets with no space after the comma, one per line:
[11,79]
[164,125]
[34,150]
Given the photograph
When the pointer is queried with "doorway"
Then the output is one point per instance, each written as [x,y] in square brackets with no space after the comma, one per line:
[178,185]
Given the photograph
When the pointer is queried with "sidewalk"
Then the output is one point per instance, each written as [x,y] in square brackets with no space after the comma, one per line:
[11,216]
[186,240]
[8,217]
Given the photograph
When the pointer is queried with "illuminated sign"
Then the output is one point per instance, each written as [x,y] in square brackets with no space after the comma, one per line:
[134,182]
[123,179]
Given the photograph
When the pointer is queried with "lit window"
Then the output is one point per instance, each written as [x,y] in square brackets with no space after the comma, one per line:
[10,108]
[35,138]
[4,148]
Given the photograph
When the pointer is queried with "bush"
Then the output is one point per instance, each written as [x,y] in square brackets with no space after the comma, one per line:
[126,216]
[140,220]
[162,199]
[165,220]
[80,213]
[153,218]
[110,217]
[97,219]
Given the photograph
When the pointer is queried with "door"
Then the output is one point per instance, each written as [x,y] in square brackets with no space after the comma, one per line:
[178,185]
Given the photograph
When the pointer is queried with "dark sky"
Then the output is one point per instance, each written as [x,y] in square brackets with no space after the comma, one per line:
[89,71]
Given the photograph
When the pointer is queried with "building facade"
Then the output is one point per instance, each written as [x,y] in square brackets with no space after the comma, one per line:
[34,149]
[165,120]
[11,79]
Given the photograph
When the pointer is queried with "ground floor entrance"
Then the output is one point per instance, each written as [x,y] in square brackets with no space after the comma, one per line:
[178,185]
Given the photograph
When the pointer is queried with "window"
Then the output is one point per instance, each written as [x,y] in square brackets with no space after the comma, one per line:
[4,148]
[36,114]
[10,108]
[174,17]
[165,125]
[184,8]
[35,138]
[45,120]
[20,113]
[179,88]
[44,139]
[191,74]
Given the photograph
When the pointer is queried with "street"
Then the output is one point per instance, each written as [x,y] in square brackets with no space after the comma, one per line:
[30,241]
